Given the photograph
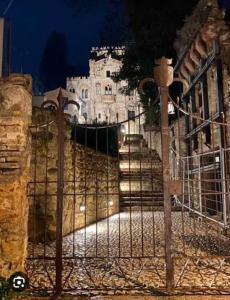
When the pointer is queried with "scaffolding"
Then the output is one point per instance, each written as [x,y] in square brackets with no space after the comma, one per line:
[205,184]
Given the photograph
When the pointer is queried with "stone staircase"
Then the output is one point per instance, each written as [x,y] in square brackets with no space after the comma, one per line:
[141,185]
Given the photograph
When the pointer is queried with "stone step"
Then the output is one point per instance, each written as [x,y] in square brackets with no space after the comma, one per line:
[139,208]
[146,208]
[137,169]
[154,170]
[142,171]
[141,177]
[133,149]
[140,156]
[147,172]
[142,193]
[140,186]
[140,203]
[137,162]
[138,177]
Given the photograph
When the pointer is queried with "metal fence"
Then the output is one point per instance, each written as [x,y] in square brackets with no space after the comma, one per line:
[108,234]
[205,184]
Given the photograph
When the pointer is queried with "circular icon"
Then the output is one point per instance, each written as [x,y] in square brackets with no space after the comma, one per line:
[18,282]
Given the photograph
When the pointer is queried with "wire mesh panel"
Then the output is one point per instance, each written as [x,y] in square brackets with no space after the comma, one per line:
[201,252]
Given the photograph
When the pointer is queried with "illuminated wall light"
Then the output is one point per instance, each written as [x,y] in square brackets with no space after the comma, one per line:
[123,130]
[82,207]
[171,110]
[217,159]
[111,203]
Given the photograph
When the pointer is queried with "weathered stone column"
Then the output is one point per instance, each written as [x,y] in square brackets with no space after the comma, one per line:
[15,117]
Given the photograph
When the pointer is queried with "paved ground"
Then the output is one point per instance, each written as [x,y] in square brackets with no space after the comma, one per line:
[124,253]
[133,298]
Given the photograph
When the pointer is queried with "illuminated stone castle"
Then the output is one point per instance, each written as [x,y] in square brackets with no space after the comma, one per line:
[98,95]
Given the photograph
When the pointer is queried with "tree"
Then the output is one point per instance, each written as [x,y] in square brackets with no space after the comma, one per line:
[54,67]
[153,27]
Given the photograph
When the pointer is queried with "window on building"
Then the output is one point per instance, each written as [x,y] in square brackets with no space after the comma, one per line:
[83,94]
[99,116]
[108,90]
[108,74]
[85,115]
[98,89]
[131,114]
[86,94]
[51,107]
[65,102]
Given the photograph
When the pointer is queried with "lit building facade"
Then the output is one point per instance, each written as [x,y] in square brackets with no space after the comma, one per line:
[100,98]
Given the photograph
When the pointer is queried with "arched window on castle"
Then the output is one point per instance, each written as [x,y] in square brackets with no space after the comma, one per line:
[108,90]
[84,93]
[98,89]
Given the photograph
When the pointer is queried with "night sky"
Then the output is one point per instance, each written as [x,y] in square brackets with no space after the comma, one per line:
[89,23]
[34,20]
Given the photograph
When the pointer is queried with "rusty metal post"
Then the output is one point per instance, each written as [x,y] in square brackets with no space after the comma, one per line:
[163,75]
[59,105]
[60,187]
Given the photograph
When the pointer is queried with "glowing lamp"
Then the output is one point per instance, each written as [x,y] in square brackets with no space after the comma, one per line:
[171,110]
[123,129]
[82,207]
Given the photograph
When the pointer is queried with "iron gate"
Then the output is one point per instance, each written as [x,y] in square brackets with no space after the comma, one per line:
[107,234]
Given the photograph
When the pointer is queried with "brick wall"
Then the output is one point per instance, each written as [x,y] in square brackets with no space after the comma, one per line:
[15,114]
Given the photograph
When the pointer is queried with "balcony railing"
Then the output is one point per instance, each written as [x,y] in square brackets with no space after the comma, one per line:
[108,98]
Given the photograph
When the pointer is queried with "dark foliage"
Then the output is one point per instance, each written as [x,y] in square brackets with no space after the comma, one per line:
[54,67]
[154,26]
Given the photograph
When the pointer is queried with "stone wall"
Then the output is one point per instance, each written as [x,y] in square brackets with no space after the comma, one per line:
[89,184]
[15,115]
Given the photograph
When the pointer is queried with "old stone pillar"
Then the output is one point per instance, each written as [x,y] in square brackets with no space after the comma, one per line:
[15,117]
